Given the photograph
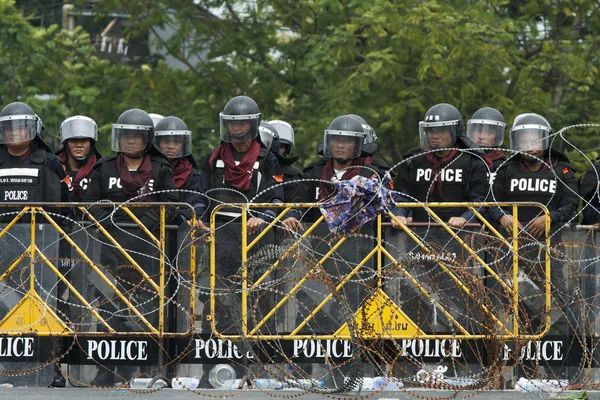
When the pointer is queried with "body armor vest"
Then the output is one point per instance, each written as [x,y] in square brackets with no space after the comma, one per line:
[29,180]
[455,177]
[537,186]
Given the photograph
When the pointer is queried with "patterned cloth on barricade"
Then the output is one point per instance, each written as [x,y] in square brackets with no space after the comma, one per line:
[357,201]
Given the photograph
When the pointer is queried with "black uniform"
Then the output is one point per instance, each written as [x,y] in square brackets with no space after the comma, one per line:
[212,178]
[554,187]
[105,184]
[77,191]
[463,178]
[189,195]
[38,177]
[292,190]
[588,189]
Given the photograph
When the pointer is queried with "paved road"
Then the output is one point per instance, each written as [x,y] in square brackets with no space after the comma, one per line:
[93,394]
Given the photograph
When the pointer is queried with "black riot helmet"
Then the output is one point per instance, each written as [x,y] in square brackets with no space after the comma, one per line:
[18,123]
[487,127]
[269,136]
[131,123]
[173,137]
[370,135]
[239,120]
[343,131]
[530,132]
[440,120]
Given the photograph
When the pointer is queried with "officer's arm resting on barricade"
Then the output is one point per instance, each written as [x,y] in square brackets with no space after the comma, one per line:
[537,226]
[477,191]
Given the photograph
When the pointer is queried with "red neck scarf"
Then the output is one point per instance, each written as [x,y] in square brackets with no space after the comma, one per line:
[137,186]
[436,164]
[239,176]
[82,172]
[491,157]
[182,171]
[328,173]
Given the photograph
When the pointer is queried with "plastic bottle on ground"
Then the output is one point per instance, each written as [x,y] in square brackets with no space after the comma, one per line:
[221,376]
[268,384]
[236,384]
[540,385]
[185,383]
[384,383]
[142,383]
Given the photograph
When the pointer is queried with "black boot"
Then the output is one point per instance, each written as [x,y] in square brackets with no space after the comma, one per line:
[59,380]
[104,377]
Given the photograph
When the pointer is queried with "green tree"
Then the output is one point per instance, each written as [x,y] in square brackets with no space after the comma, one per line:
[308,61]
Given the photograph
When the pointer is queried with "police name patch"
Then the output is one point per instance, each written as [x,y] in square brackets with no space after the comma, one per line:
[16,195]
[447,175]
[533,185]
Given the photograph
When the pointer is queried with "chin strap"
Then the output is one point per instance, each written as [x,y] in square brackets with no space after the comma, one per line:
[78,160]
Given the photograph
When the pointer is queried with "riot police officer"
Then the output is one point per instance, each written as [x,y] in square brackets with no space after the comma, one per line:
[343,155]
[288,174]
[443,169]
[486,128]
[139,169]
[142,173]
[79,154]
[174,140]
[240,165]
[31,173]
[78,135]
[535,174]
[240,170]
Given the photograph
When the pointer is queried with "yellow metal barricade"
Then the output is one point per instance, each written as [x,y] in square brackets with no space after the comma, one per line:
[37,314]
[378,316]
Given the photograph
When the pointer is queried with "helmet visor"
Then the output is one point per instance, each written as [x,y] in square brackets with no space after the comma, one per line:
[342,145]
[285,131]
[18,128]
[370,136]
[79,128]
[486,133]
[267,137]
[238,128]
[174,144]
[437,135]
[129,139]
[529,138]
